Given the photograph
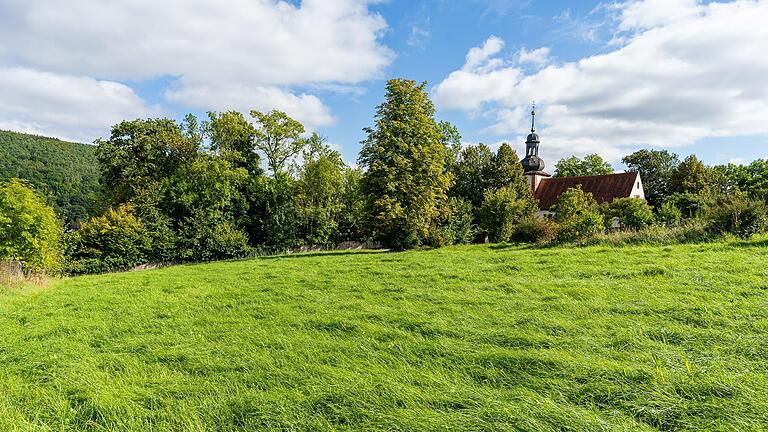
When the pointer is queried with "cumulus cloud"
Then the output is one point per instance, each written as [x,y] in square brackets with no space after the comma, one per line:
[231,53]
[66,106]
[538,56]
[697,71]
[647,14]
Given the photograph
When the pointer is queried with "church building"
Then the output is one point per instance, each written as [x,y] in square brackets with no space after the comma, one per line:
[547,189]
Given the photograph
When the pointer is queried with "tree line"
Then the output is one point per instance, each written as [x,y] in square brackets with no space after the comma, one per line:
[196,190]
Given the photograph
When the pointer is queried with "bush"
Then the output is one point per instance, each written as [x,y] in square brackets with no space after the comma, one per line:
[535,230]
[118,240]
[654,235]
[632,213]
[29,230]
[501,210]
[692,205]
[669,215]
[206,238]
[738,215]
[578,215]
[454,225]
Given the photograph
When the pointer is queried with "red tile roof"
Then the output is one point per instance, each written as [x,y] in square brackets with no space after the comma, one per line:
[604,188]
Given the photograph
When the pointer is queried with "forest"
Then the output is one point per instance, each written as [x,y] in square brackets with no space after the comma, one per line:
[233,185]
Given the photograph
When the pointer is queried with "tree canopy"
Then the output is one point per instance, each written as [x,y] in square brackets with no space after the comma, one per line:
[29,230]
[591,164]
[405,155]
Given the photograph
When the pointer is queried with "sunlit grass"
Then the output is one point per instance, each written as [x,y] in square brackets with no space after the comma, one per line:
[461,338]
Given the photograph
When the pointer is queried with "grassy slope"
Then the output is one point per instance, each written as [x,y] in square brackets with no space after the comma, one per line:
[476,337]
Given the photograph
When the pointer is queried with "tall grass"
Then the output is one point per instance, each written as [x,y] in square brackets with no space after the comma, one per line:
[490,337]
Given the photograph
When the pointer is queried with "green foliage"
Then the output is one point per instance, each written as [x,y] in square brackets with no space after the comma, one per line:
[451,141]
[691,177]
[669,215]
[233,138]
[535,230]
[274,213]
[454,226]
[738,215]
[751,179]
[578,215]
[502,209]
[655,167]
[278,136]
[405,154]
[473,173]
[573,166]
[140,155]
[202,198]
[116,241]
[690,232]
[466,338]
[320,189]
[65,173]
[692,205]
[351,225]
[632,213]
[29,229]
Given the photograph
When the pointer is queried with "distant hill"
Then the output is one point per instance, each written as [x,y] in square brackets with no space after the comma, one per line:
[67,173]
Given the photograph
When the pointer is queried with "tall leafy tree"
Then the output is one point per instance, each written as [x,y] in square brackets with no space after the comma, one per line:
[29,230]
[473,174]
[141,154]
[591,164]
[578,215]
[507,171]
[690,176]
[320,187]
[655,168]
[405,157]
[233,138]
[278,136]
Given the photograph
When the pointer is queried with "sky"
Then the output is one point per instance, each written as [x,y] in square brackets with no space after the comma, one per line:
[609,78]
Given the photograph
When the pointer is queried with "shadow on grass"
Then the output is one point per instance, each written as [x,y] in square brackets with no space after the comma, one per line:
[521,246]
[748,244]
[323,253]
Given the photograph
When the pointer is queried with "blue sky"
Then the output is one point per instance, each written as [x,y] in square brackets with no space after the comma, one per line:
[609,77]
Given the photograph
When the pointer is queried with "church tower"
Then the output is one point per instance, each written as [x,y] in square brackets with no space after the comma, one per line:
[533,165]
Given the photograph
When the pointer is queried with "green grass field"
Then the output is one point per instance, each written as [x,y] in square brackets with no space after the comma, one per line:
[459,338]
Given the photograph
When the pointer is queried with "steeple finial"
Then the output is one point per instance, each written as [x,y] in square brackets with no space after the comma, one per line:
[533,117]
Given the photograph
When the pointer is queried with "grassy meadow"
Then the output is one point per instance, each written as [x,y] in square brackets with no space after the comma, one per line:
[462,338]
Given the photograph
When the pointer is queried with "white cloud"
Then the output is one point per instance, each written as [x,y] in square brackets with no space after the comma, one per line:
[646,14]
[480,59]
[701,74]
[537,57]
[228,52]
[308,108]
[66,106]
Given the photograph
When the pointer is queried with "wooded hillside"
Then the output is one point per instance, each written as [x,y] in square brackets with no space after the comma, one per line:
[66,173]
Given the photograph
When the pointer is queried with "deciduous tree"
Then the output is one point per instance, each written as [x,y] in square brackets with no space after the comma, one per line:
[278,136]
[405,157]
[573,166]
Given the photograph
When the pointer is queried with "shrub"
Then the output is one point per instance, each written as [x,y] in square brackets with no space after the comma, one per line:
[118,240]
[669,215]
[632,213]
[578,215]
[29,230]
[655,235]
[454,225]
[535,230]
[738,215]
[692,205]
[501,210]
[205,237]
